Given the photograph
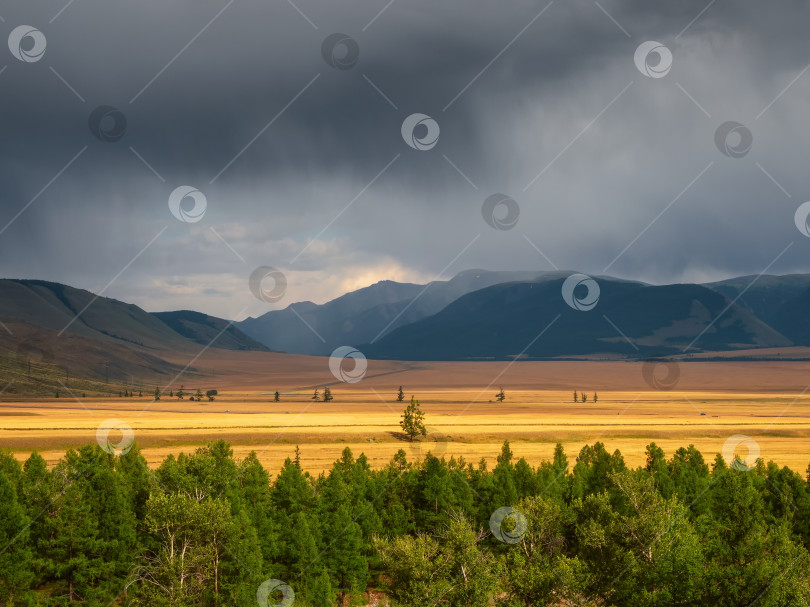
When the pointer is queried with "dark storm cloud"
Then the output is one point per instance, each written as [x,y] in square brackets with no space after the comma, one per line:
[516,113]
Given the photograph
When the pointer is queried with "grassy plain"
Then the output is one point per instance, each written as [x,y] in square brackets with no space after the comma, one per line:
[712,401]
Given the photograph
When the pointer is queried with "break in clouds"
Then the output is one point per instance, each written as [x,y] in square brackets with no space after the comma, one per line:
[343,160]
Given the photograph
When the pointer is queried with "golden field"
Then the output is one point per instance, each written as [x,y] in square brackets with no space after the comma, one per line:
[767,401]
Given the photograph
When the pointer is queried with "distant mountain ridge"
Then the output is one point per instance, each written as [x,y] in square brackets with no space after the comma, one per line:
[475,315]
[482,314]
[532,320]
[98,336]
[367,314]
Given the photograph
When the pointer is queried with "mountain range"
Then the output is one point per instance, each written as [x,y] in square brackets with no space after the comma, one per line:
[484,315]
[476,315]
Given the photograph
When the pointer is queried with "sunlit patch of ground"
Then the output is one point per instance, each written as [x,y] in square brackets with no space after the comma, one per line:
[462,422]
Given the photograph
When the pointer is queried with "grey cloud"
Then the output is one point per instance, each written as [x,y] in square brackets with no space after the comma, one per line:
[520,114]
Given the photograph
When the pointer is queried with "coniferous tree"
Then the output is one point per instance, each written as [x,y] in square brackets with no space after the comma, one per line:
[205,529]
[276,396]
[38,490]
[68,548]
[136,481]
[319,592]
[16,558]
[400,395]
[504,488]
[576,397]
[344,554]
[451,569]
[256,498]
[500,396]
[327,394]
[413,420]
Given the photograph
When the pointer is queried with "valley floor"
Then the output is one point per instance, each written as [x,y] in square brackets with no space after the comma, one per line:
[713,402]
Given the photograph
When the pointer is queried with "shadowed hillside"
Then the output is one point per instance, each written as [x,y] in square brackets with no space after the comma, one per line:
[531,319]
[367,314]
[53,336]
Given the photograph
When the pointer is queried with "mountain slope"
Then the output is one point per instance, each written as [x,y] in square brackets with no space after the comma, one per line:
[366,314]
[203,329]
[781,301]
[531,319]
[60,307]
[72,332]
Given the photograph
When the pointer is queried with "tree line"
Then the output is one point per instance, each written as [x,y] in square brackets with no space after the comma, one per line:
[205,529]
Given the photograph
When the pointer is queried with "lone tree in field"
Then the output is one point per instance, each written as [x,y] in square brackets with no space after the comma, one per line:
[327,394]
[277,396]
[576,398]
[400,395]
[317,396]
[500,396]
[413,420]
[595,398]
[157,393]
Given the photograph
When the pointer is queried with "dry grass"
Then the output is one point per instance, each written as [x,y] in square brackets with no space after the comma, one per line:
[462,421]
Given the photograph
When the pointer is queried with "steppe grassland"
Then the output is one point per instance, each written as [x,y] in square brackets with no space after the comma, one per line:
[462,422]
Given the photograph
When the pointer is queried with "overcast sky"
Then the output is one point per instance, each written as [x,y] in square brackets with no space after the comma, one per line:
[304,167]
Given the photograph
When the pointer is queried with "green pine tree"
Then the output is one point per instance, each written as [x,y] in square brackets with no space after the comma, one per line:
[413,420]
[320,593]
[16,570]
[345,556]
